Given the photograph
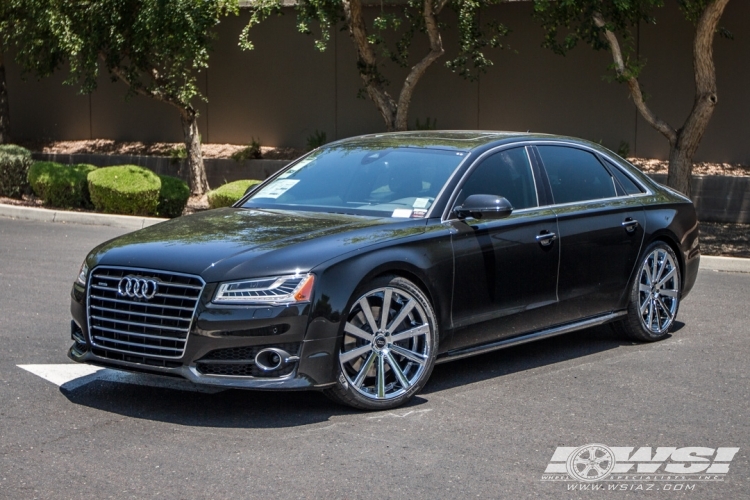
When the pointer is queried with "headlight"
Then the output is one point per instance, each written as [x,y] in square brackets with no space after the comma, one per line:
[83,274]
[274,290]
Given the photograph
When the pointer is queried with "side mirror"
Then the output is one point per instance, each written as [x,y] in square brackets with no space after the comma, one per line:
[484,206]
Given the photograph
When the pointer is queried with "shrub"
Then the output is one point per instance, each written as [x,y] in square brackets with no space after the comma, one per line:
[63,186]
[250,152]
[316,140]
[226,195]
[15,162]
[173,197]
[126,189]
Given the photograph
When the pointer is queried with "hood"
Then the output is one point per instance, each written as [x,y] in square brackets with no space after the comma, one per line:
[237,243]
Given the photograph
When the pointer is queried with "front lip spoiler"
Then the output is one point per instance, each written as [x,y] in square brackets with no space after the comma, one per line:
[288,382]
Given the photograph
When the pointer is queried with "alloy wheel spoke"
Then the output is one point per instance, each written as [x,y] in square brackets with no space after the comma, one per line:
[355,353]
[664,308]
[363,371]
[663,280]
[365,305]
[381,376]
[645,304]
[410,355]
[650,313]
[412,332]
[358,332]
[660,269]
[397,370]
[386,308]
[644,288]
[668,293]
[401,316]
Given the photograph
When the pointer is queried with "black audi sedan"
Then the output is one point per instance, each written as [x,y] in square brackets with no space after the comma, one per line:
[362,264]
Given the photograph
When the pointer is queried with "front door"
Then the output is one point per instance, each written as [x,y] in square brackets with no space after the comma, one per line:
[505,270]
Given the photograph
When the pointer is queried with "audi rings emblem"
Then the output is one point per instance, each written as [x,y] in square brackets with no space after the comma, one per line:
[138,288]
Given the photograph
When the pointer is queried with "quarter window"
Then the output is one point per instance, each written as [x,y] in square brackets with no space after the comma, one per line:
[575,175]
[628,185]
[508,174]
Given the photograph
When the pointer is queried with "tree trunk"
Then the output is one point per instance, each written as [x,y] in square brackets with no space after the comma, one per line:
[679,175]
[683,143]
[395,114]
[4,110]
[198,179]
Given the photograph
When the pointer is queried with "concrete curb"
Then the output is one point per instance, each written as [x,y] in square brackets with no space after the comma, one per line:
[47,215]
[726,264]
[708,262]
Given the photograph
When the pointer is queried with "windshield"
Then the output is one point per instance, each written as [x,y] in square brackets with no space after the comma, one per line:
[393,182]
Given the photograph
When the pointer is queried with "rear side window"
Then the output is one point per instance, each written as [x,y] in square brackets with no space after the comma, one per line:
[576,175]
[628,185]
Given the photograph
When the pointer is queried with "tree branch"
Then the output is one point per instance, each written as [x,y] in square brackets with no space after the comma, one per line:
[635,88]
[436,50]
[138,89]
[367,62]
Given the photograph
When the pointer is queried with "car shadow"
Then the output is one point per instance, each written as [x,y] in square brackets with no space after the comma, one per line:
[235,408]
[525,357]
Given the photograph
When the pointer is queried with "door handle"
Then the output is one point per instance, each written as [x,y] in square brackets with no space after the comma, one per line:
[630,224]
[546,238]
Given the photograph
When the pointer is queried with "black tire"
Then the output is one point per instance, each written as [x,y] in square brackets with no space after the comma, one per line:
[384,367]
[653,304]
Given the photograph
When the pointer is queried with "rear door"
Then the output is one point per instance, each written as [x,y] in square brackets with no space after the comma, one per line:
[601,230]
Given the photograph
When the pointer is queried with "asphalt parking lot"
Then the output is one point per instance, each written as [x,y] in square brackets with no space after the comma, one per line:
[484,427]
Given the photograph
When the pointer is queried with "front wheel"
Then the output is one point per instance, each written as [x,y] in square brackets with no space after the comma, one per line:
[655,296]
[388,347]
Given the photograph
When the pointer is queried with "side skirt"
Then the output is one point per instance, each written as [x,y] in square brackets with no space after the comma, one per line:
[529,337]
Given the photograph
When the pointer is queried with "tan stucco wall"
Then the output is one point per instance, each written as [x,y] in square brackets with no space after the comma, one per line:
[284,90]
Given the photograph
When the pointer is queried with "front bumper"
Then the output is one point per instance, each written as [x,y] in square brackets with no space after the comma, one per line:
[216,330]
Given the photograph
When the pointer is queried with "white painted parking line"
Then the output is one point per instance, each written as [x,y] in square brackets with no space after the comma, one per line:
[71,376]
[412,413]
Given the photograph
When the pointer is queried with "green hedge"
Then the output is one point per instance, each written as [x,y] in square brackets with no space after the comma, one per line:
[126,189]
[226,195]
[15,162]
[173,196]
[62,186]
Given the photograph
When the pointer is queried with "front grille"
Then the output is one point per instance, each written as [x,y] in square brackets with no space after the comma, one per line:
[240,361]
[156,327]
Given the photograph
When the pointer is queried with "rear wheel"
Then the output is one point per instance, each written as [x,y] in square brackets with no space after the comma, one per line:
[655,296]
[388,347]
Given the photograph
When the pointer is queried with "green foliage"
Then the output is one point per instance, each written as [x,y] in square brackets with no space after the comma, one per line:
[260,10]
[427,125]
[62,186]
[229,193]
[403,24]
[125,189]
[567,22]
[173,197]
[316,139]
[15,162]
[251,152]
[624,149]
[176,155]
[475,38]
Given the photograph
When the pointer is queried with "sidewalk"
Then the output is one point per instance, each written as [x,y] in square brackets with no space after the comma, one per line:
[52,215]
[710,263]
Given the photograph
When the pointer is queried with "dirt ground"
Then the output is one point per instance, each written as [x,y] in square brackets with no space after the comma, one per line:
[104,146]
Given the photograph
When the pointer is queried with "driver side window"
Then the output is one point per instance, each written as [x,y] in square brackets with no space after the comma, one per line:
[508,174]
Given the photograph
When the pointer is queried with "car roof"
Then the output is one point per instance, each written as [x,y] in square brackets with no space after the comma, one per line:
[456,140]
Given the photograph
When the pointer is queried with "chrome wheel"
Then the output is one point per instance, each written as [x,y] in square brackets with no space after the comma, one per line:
[658,291]
[386,349]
